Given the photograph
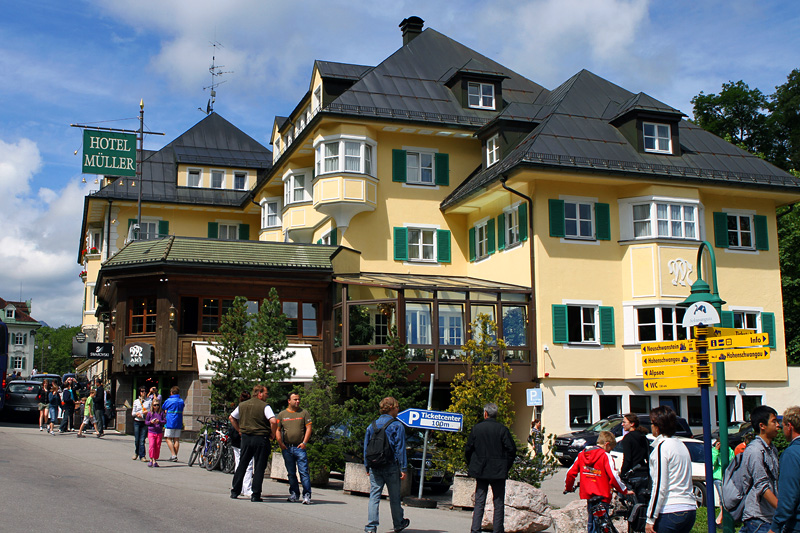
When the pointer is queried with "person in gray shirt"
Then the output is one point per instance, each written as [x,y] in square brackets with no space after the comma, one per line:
[761,464]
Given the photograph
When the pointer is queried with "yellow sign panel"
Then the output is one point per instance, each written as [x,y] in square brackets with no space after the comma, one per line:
[672,371]
[688,382]
[667,346]
[723,332]
[738,354]
[669,359]
[738,341]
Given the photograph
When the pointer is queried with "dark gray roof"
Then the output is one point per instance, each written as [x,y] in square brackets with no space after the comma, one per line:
[410,84]
[574,131]
[212,141]
[342,71]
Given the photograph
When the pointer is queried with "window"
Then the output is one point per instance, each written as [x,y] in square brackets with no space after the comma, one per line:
[240,180]
[745,320]
[511,231]
[752,319]
[640,404]
[451,324]
[18,362]
[368,159]
[578,220]
[580,410]
[212,312]
[657,138]
[303,318]
[147,231]
[419,168]
[96,239]
[421,244]
[418,323]
[660,324]
[515,325]
[318,98]
[740,231]
[662,219]
[195,178]
[10,313]
[344,155]
[482,240]
[270,214]
[480,95]
[583,324]
[492,150]
[228,232]
[19,339]
[331,156]
[296,189]
[370,323]
[217,179]
[143,316]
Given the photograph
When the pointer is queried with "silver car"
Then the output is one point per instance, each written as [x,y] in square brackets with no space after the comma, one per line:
[22,398]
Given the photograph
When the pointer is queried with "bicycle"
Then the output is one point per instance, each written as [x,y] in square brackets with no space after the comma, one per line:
[218,446]
[200,449]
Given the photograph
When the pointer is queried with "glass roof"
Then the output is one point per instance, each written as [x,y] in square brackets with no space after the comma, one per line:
[410,281]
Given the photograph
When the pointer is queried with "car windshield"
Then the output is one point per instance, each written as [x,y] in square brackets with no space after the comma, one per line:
[696,451]
[604,425]
[23,388]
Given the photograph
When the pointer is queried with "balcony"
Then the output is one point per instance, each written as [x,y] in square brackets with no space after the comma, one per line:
[343,196]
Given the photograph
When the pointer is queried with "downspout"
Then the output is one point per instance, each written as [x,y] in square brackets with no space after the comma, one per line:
[108,230]
[532,321]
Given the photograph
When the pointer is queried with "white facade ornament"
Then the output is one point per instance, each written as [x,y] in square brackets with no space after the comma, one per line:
[680,270]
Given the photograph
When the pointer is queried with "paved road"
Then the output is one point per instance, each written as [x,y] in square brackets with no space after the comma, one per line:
[61,483]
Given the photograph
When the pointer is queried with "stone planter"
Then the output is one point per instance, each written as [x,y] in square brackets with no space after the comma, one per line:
[278,471]
[356,481]
[463,491]
[526,508]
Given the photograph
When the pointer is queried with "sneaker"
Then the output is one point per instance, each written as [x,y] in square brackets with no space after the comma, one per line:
[404,524]
[155,464]
[81,436]
[150,464]
[41,428]
[143,460]
[99,435]
[134,457]
[53,433]
[174,459]
[292,498]
[307,499]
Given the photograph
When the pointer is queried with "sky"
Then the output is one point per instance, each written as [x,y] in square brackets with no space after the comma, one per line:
[92,61]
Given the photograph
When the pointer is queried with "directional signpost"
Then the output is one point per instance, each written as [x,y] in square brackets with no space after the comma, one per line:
[667,347]
[738,354]
[685,382]
[436,420]
[673,371]
[738,341]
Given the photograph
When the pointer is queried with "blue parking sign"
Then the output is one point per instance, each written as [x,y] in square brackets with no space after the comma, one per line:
[534,397]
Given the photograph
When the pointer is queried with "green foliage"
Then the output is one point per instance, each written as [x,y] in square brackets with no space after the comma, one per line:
[785,122]
[533,469]
[483,383]
[389,376]
[321,400]
[56,347]
[230,350]
[789,243]
[780,442]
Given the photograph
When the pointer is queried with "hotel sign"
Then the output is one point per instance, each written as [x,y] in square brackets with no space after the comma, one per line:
[109,152]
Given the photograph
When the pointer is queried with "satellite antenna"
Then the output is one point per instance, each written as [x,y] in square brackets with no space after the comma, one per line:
[216,71]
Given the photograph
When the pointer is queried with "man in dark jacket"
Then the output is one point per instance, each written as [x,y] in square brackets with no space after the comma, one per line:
[490,452]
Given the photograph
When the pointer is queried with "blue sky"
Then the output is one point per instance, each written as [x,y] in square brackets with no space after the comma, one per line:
[91,62]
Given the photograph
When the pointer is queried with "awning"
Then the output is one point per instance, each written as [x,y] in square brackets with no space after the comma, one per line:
[428,282]
[302,361]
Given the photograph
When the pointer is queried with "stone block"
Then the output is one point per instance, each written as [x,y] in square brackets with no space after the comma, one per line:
[278,470]
[356,480]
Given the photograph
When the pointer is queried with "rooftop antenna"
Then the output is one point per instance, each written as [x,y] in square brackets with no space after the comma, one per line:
[216,71]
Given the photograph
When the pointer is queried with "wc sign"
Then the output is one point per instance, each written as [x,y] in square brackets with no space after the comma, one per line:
[435,420]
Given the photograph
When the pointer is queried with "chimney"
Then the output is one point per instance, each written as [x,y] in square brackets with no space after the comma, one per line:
[411,27]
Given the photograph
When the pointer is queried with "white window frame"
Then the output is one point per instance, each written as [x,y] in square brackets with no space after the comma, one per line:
[326,239]
[16,361]
[657,138]
[326,163]
[199,172]
[741,310]
[738,215]
[584,304]
[148,223]
[19,339]
[481,104]
[424,326]
[578,219]
[628,226]
[414,173]
[453,326]
[291,187]
[91,299]
[229,226]
[659,323]
[10,314]
[421,246]
[493,150]
[214,172]
[240,174]
[511,226]
[265,214]
[482,239]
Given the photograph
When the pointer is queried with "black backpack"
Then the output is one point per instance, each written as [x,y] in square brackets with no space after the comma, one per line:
[379,450]
[66,397]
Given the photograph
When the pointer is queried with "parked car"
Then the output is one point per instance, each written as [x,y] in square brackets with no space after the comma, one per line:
[50,377]
[22,398]
[437,481]
[736,433]
[568,445]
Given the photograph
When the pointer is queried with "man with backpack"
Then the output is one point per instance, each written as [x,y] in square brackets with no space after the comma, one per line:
[68,405]
[761,467]
[385,461]
[787,516]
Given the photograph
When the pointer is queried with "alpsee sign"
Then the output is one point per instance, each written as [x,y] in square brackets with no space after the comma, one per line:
[109,152]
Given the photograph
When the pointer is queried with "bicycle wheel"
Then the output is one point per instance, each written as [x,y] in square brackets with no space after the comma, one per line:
[228,462]
[214,454]
[197,450]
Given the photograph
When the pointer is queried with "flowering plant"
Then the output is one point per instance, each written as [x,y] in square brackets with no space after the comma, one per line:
[82,274]
[93,250]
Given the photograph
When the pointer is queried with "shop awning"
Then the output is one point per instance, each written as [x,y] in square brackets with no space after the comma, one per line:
[302,361]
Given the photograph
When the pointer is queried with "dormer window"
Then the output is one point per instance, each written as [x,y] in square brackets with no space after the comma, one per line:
[492,150]
[657,138]
[480,95]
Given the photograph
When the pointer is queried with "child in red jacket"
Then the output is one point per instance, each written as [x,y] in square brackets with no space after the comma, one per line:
[597,472]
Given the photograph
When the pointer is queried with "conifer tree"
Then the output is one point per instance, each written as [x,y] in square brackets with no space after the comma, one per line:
[230,349]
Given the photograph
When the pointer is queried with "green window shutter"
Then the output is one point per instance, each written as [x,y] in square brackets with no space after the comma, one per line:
[334,236]
[768,327]
[443,245]
[400,244]
[557,218]
[442,162]
[472,243]
[721,230]
[319,241]
[213,230]
[399,165]
[163,228]
[726,319]
[602,222]
[606,324]
[523,222]
[490,236]
[23,363]
[244,232]
[560,324]
[762,235]
[501,232]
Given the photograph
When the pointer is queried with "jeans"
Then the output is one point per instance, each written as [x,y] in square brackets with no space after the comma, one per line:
[296,460]
[498,499]
[66,420]
[139,436]
[754,525]
[378,477]
[254,447]
[100,419]
[676,522]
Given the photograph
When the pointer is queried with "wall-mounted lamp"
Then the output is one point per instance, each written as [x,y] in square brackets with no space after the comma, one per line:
[741,386]
[172,315]
[114,318]
[598,385]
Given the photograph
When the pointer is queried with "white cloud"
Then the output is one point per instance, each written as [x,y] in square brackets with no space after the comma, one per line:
[18,163]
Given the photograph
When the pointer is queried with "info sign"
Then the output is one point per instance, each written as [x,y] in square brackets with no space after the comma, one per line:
[109,152]
[436,420]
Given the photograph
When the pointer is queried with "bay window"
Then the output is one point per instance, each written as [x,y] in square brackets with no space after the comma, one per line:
[344,154]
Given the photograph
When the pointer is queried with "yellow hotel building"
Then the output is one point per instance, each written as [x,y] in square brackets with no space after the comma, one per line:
[445,185]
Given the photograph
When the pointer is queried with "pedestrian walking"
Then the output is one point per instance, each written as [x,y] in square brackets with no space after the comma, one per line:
[68,405]
[597,474]
[256,425]
[43,403]
[672,507]
[762,467]
[140,429]
[389,471]
[54,402]
[294,430]
[155,420]
[716,465]
[535,438]
[88,414]
[787,514]
[236,444]
[746,439]
[635,446]
[490,452]
[100,407]
[173,407]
